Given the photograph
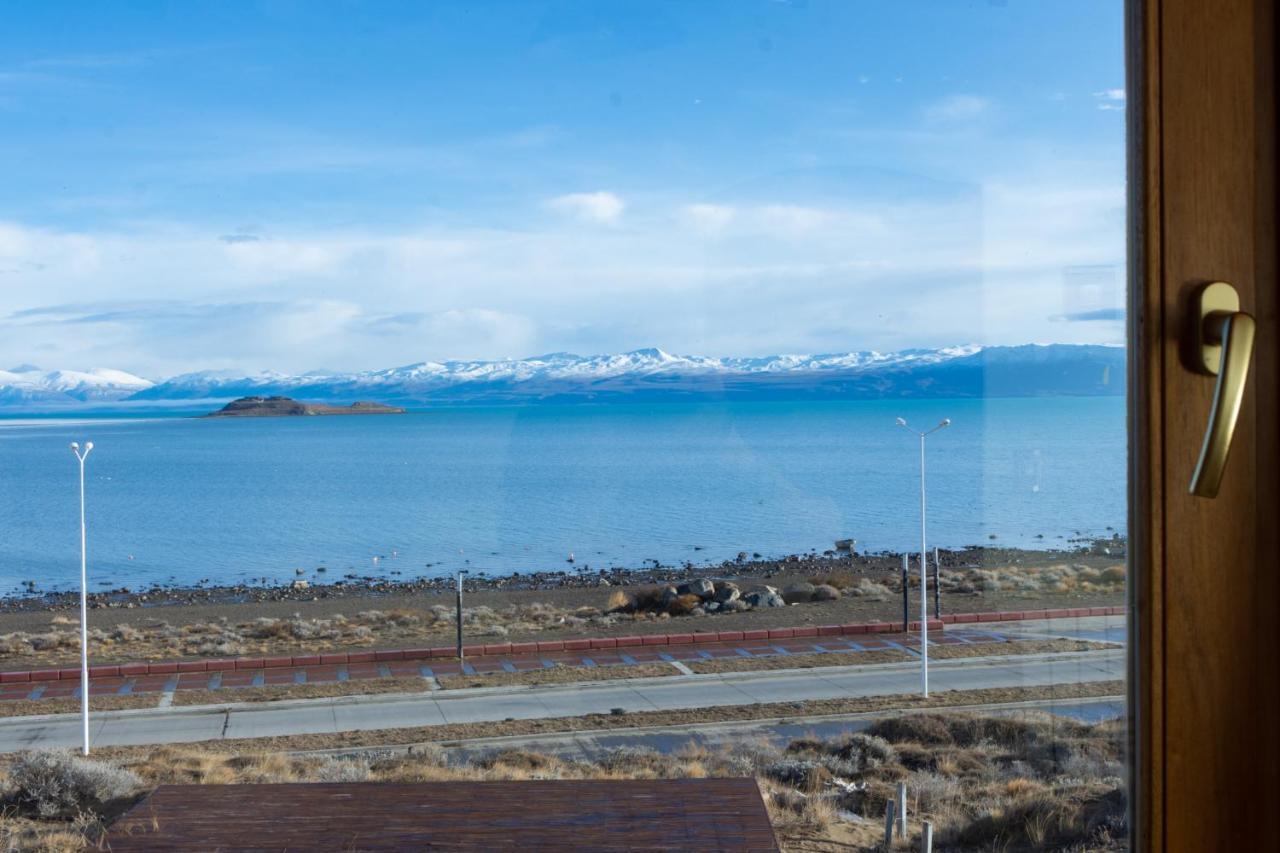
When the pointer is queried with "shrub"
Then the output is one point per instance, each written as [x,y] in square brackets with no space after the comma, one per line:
[867,751]
[841,580]
[935,793]
[866,587]
[650,598]
[824,592]
[1112,575]
[620,602]
[920,728]
[683,605]
[58,784]
[343,770]
[800,773]
[126,633]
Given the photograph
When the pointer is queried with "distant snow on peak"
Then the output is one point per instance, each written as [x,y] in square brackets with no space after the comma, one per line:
[640,375]
[27,384]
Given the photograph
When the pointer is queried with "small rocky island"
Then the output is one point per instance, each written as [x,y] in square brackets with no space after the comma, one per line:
[282,407]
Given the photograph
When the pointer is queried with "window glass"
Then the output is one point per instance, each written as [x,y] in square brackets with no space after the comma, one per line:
[673,335]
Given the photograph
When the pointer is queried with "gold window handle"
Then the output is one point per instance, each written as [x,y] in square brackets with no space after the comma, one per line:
[1223,347]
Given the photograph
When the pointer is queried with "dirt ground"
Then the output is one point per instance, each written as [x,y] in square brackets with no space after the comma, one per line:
[180,631]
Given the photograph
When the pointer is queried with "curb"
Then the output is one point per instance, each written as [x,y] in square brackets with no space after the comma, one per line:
[343,658]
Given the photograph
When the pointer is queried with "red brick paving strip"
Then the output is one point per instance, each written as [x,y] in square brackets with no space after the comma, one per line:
[543,646]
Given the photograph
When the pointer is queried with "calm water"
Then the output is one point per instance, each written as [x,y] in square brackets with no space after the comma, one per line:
[179,500]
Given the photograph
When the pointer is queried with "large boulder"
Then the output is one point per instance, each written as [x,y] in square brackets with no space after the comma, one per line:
[727,592]
[763,599]
[701,587]
[735,606]
[798,593]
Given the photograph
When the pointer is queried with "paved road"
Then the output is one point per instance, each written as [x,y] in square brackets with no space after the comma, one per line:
[356,713]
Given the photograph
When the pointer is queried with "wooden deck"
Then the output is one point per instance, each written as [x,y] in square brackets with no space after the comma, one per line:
[560,815]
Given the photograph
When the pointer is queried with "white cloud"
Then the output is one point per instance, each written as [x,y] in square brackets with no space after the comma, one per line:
[791,218]
[1110,99]
[601,206]
[739,276]
[708,218]
[956,108]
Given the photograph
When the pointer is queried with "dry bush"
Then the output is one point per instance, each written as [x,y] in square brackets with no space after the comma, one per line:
[1059,578]
[839,580]
[57,784]
[930,729]
[342,770]
[825,592]
[934,792]
[620,602]
[650,598]
[683,605]
[985,782]
[804,775]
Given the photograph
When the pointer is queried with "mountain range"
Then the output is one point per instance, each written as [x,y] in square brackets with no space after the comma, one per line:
[642,375]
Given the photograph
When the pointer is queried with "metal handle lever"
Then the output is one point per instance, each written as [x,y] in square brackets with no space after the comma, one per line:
[1224,347]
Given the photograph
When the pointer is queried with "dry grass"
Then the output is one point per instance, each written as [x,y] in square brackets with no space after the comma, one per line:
[615,611]
[1013,647]
[28,707]
[775,662]
[1059,578]
[323,690]
[160,640]
[986,782]
[557,675]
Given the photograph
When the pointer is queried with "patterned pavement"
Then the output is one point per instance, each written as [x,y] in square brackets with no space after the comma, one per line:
[230,681]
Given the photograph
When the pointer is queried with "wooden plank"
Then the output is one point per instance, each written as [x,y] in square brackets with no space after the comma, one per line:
[667,814]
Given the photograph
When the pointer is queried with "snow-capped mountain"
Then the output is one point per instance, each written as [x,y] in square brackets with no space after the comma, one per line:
[651,374]
[27,384]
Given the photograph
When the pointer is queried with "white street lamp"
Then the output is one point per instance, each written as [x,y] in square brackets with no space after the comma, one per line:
[84,601]
[924,572]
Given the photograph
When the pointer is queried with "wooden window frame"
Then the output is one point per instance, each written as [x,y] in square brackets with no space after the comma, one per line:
[1203,590]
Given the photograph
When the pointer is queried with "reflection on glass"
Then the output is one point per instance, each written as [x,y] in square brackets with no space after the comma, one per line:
[632,302]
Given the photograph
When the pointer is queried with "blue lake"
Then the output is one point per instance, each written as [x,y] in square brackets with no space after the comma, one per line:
[520,488]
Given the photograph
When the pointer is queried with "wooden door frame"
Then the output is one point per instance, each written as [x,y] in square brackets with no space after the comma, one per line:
[1203,590]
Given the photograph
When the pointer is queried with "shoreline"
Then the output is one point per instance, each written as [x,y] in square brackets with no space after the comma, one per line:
[372,587]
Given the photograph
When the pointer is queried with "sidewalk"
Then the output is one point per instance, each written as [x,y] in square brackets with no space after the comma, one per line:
[525,662]
[340,715]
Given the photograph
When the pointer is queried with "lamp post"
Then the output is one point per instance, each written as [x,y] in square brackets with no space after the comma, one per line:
[461,573]
[84,601]
[924,562]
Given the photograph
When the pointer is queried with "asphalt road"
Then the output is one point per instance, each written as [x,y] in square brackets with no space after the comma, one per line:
[353,713]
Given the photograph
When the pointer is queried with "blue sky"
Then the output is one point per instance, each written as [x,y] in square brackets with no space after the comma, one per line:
[345,185]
